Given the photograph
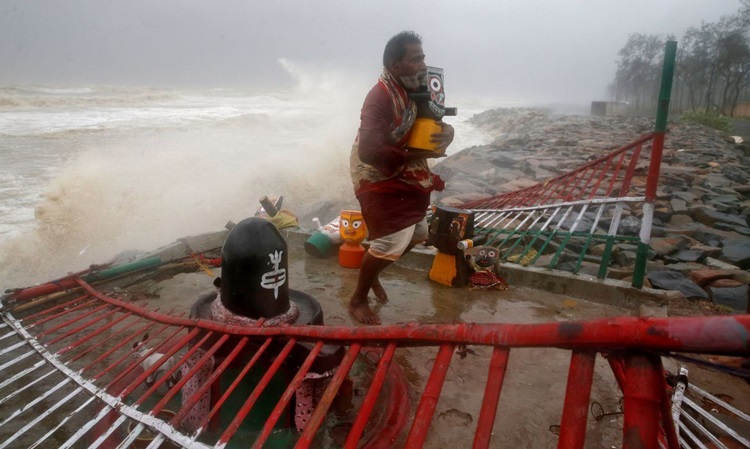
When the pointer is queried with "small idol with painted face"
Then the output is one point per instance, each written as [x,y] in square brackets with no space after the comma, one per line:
[352,227]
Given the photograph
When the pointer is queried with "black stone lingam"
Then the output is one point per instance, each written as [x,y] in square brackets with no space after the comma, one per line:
[254,263]
[255,283]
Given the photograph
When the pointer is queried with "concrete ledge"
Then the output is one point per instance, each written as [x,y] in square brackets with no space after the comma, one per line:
[644,302]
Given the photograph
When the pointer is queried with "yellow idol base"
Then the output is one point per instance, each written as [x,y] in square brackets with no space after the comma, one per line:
[444,269]
[350,255]
[421,131]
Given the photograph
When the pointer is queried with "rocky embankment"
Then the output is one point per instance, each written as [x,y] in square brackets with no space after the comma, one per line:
[700,241]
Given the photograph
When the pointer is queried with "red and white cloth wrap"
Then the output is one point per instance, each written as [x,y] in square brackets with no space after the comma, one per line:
[307,393]
[485,280]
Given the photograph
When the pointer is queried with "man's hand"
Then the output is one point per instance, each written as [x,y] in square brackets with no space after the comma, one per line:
[444,138]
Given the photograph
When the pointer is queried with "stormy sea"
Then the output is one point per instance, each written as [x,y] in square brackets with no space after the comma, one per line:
[91,171]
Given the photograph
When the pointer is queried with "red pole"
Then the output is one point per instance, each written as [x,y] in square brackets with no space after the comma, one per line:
[372,395]
[577,394]
[319,414]
[498,365]
[279,409]
[430,397]
[643,394]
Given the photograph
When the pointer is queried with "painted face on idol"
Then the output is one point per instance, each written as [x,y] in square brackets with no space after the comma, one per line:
[352,226]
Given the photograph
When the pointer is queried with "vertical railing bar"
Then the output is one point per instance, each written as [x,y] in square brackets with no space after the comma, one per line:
[278,410]
[694,438]
[39,417]
[131,437]
[567,187]
[551,187]
[27,386]
[368,404]
[576,406]
[716,400]
[188,405]
[86,427]
[430,396]
[718,423]
[82,326]
[116,335]
[9,334]
[62,422]
[589,238]
[605,169]
[133,352]
[481,216]
[248,366]
[12,347]
[72,321]
[567,237]
[615,173]
[492,389]
[329,395]
[703,430]
[498,218]
[515,229]
[525,232]
[609,242]
[668,425]
[21,357]
[91,335]
[142,378]
[515,217]
[35,401]
[122,343]
[66,307]
[157,442]
[627,178]
[579,187]
[20,374]
[103,437]
[259,388]
[202,361]
[552,235]
[541,231]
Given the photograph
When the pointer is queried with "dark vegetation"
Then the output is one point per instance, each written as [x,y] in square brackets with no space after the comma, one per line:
[711,74]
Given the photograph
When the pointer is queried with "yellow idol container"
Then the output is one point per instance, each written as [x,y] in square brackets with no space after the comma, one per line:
[421,131]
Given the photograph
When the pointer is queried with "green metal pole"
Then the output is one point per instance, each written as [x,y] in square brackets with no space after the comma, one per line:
[150,262]
[652,180]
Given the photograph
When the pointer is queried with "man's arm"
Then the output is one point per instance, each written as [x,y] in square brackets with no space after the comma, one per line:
[374,148]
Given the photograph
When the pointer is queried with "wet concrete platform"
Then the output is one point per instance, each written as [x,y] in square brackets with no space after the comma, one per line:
[533,393]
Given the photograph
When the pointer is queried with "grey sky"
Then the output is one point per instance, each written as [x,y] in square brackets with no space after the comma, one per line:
[527,49]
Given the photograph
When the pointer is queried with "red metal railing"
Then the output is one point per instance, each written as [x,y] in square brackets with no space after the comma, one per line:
[89,343]
[573,210]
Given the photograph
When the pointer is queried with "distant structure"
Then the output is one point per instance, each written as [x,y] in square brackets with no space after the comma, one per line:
[608,108]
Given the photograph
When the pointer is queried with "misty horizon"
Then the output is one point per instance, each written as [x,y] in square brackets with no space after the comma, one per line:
[536,51]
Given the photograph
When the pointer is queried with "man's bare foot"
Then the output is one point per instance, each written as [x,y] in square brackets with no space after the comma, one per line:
[363,313]
[379,291]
